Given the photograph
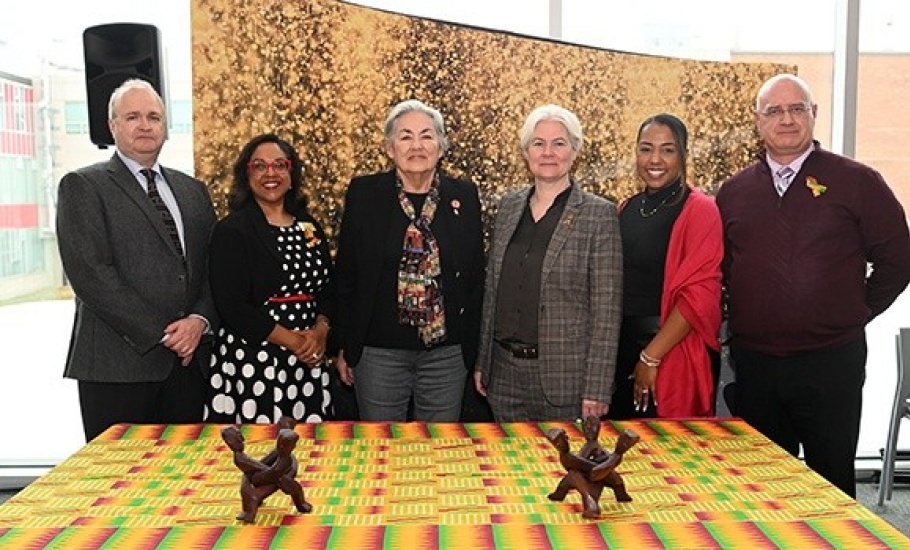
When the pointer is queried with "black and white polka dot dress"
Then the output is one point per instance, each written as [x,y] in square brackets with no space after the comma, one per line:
[261,382]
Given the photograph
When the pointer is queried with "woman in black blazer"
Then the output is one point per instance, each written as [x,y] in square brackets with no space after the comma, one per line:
[271,278]
[410,277]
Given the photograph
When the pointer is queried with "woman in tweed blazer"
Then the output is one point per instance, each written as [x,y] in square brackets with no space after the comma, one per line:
[551,312]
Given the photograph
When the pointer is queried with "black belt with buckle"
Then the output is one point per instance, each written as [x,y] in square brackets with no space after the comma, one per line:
[519,350]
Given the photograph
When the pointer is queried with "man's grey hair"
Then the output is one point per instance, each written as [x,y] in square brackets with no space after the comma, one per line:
[132,84]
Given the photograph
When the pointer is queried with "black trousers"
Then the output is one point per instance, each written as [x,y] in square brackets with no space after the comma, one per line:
[474,407]
[813,400]
[179,399]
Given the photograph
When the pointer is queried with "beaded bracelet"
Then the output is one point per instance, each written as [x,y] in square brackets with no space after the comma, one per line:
[648,360]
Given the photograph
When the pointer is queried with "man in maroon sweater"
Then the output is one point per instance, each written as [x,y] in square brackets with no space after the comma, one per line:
[802,228]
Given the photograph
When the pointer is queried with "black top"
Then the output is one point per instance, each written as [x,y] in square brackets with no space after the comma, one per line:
[522,265]
[645,224]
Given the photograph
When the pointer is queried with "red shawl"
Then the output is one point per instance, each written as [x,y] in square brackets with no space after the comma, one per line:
[692,283]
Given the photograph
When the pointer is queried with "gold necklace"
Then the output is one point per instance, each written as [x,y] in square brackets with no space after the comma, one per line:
[659,206]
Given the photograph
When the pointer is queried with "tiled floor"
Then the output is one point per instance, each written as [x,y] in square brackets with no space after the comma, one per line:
[895,511]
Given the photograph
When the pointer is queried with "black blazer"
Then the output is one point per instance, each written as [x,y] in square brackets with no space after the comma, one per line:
[246,270]
[370,203]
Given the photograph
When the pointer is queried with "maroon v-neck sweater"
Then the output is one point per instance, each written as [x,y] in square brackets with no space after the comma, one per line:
[796,266]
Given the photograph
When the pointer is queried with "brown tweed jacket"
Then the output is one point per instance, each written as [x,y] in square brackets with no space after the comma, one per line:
[580,297]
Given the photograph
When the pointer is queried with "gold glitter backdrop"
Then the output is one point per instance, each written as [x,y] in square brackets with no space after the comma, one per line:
[323,75]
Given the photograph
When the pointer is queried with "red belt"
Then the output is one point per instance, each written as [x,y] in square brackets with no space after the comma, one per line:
[292,298]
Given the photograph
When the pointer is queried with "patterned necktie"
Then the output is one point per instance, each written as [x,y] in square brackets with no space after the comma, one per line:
[162,208]
[784,175]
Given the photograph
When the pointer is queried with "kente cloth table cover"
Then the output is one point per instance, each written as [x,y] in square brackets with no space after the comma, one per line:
[695,484]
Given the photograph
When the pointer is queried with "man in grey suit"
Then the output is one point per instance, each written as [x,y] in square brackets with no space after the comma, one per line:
[133,238]
[553,295]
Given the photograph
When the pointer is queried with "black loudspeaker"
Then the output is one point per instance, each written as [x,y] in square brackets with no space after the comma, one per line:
[115,53]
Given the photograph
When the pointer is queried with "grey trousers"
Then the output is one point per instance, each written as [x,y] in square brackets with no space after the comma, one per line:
[386,380]
[516,394]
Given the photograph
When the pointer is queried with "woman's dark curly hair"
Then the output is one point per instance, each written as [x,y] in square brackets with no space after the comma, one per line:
[240,194]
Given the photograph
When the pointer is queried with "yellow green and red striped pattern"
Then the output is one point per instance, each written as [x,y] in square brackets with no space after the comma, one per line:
[413,486]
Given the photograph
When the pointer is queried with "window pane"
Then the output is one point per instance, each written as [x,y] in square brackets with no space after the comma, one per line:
[76,117]
[44,122]
[529,17]
[180,117]
[883,120]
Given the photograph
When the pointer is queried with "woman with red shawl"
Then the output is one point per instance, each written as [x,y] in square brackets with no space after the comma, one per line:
[668,361]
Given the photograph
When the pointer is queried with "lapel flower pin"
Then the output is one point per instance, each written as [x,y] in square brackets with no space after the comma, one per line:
[816,188]
[309,232]
[456,204]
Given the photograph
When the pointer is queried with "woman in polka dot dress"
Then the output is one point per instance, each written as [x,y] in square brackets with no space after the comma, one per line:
[271,278]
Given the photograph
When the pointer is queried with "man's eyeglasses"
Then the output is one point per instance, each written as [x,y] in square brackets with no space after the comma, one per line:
[279,166]
[795,111]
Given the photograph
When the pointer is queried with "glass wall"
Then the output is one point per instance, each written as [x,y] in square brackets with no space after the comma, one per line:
[44,134]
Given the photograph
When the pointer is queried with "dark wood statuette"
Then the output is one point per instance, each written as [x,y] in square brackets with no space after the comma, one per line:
[275,471]
[592,468]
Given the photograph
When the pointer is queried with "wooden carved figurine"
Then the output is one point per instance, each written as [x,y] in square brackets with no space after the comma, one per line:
[261,478]
[592,468]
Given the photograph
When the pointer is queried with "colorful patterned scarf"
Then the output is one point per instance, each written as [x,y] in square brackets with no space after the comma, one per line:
[419,294]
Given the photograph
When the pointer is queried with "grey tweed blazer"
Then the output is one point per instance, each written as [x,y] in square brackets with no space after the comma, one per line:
[129,280]
[580,297]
